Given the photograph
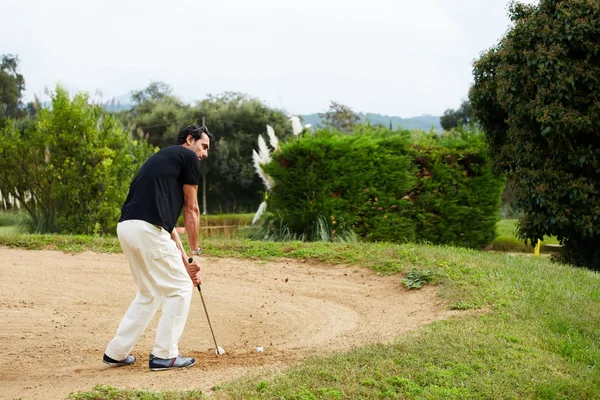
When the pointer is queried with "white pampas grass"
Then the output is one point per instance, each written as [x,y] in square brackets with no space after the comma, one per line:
[273,141]
[259,212]
[296,125]
[263,150]
[262,157]
[258,160]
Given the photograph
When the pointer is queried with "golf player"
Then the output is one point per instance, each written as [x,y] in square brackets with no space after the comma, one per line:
[166,183]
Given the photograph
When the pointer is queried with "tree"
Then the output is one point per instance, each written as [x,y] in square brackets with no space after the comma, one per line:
[12,85]
[453,118]
[537,96]
[157,114]
[71,169]
[236,119]
[154,91]
[340,117]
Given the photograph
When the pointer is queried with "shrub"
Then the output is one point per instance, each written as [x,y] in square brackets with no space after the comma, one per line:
[457,195]
[71,170]
[385,187]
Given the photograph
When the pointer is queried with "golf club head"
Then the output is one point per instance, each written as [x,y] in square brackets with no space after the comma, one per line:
[220,350]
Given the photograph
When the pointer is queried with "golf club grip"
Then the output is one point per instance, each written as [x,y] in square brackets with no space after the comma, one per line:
[191,260]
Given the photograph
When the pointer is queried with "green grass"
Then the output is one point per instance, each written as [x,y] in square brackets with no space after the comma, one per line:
[12,218]
[224,226]
[225,232]
[6,230]
[222,220]
[537,335]
[507,227]
[108,392]
[535,332]
[508,242]
[67,243]
[226,219]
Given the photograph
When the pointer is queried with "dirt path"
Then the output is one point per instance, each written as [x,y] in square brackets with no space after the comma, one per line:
[58,311]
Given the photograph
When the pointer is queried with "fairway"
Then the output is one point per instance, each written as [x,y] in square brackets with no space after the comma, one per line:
[60,310]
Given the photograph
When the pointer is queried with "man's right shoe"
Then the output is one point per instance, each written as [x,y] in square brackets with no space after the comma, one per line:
[162,364]
[126,361]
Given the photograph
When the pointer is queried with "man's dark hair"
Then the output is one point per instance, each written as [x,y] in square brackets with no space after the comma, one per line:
[195,131]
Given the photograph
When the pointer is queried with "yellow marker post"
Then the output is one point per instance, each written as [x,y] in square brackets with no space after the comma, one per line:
[538,246]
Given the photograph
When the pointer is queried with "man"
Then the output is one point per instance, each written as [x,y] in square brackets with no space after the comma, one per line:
[166,183]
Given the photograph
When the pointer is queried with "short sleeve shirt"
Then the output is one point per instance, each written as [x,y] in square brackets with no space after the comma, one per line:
[156,192]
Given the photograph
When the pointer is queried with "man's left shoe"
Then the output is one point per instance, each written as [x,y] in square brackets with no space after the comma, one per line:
[126,361]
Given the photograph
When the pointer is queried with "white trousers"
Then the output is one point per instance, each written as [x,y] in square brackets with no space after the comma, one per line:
[161,277]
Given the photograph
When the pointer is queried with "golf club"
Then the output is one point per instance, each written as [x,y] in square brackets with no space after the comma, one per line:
[218,350]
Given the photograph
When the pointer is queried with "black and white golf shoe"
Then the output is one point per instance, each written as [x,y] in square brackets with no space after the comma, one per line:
[126,361]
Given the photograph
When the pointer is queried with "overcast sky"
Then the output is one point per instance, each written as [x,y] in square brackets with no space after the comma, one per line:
[394,57]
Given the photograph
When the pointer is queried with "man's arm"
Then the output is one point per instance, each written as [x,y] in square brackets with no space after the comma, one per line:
[191,214]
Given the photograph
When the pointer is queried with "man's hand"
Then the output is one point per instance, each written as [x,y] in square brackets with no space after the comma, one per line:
[193,270]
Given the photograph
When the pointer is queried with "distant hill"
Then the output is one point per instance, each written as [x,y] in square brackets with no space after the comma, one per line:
[424,122]
[120,103]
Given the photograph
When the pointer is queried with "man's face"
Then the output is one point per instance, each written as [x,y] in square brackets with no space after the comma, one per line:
[200,146]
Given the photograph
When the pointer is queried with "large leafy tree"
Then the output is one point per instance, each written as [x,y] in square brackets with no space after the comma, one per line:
[236,120]
[71,169]
[537,96]
[12,85]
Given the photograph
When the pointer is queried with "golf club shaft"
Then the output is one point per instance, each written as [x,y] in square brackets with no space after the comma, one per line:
[208,319]
[190,260]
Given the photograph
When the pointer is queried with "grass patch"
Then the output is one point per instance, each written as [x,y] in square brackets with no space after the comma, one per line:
[224,226]
[13,218]
[225,232]
[66,243]
[510,244]
[221,220]
[103,392]
[506,228]
[226,219]
[536,335]
[8,230]
[539,337]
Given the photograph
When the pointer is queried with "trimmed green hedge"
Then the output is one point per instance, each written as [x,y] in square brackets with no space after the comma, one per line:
[387,187]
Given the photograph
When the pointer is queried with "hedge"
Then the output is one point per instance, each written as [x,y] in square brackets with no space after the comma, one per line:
[387,186]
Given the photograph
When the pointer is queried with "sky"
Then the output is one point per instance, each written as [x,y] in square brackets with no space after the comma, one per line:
[394,57]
